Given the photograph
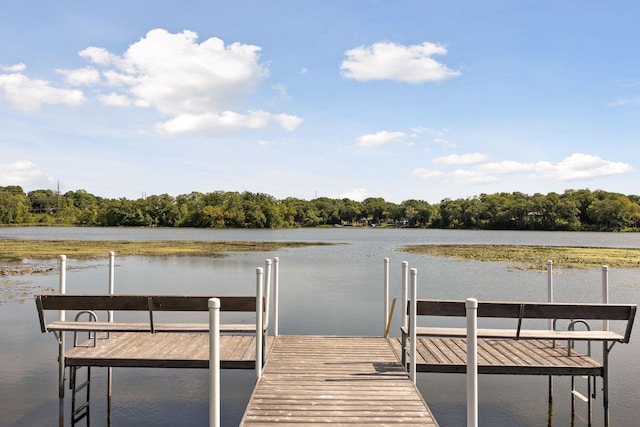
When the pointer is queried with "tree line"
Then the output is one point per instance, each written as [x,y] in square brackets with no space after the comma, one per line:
[573,210]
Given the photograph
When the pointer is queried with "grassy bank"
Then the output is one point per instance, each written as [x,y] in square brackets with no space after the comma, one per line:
[15,250]
[535,257]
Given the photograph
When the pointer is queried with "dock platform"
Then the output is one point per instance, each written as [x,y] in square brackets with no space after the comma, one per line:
[502,356]
[165,350]
[340,380]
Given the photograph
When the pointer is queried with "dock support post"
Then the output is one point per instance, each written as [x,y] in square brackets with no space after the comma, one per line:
[472,362]
[386,294]
[267,288]
[214,362]
[61,342]
[112,257]
[405,284]
[276,280]
[550,299]
[412,325]
[605,293]
[259,324]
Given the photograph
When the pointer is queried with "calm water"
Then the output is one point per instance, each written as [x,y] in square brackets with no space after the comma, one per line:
[324,290]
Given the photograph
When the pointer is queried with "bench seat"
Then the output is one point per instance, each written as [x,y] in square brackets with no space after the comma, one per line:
[524,334]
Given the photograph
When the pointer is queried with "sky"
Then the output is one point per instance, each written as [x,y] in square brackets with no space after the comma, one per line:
[349,99]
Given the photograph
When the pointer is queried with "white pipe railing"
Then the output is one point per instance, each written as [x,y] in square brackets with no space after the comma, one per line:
[550,288]
[412,324]
[267,289]
[386,294]
[259,321]
[276,283]
[112,257]
[471,305]
[63,282]
[405,284]
[112,264]
[214,362]
[605,293]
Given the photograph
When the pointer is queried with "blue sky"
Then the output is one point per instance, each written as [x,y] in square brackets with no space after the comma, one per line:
[401,100]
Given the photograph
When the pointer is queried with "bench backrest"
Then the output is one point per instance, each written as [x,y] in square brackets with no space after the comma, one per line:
[148,303]
[532,310]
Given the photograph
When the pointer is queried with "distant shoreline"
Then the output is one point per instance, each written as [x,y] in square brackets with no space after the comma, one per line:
[535,257]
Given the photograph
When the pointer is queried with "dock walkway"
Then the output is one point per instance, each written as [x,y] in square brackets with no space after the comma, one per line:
[340,380]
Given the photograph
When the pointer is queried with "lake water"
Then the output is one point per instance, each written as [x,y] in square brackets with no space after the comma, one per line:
[329,290]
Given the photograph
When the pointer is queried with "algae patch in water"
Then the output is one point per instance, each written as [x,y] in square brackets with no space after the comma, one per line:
[535,257]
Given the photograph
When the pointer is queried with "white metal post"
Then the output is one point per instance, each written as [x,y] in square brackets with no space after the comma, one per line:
[472,362]
[112,257]
[267,288]
[276,280]
[550,327]
[605,293]
[214,362]
[386,294]
[63,281]
[259,326]
[405,283]
[412,324]
[112,263]
[61,342]
[550,287]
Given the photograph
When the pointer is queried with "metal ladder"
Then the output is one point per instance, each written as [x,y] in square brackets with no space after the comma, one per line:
[591,390]
[81,411]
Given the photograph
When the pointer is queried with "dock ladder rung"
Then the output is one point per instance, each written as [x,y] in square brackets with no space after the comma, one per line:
[78,413]
[580,396]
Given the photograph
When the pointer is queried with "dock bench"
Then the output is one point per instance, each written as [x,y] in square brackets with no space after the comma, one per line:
[535,351]
[149,343]
[90,304]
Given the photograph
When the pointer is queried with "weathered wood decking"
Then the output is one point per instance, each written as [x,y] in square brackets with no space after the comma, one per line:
[339,380]
[501,356]
[165,350]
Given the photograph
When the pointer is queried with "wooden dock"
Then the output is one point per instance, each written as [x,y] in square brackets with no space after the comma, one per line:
[340,380]
[165,350]
[501,356]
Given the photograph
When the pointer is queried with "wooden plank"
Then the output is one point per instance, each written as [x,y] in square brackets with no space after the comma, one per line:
[528,310]
[525,334]
[122,302]
[164,350]
[501,356]
[337,380]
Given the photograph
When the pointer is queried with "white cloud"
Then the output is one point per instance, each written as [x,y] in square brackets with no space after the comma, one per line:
[576,166]
[510,166]
[98,55]
[287,121]
[473,177]
[356,194]
[622,102]
[391,61]
[199,84]
[462,159]
[29,95]
[225,121]
[21,173]
[380,138]
[115,100]
[16,68]
[81,76]
[582,166]
[426,174]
